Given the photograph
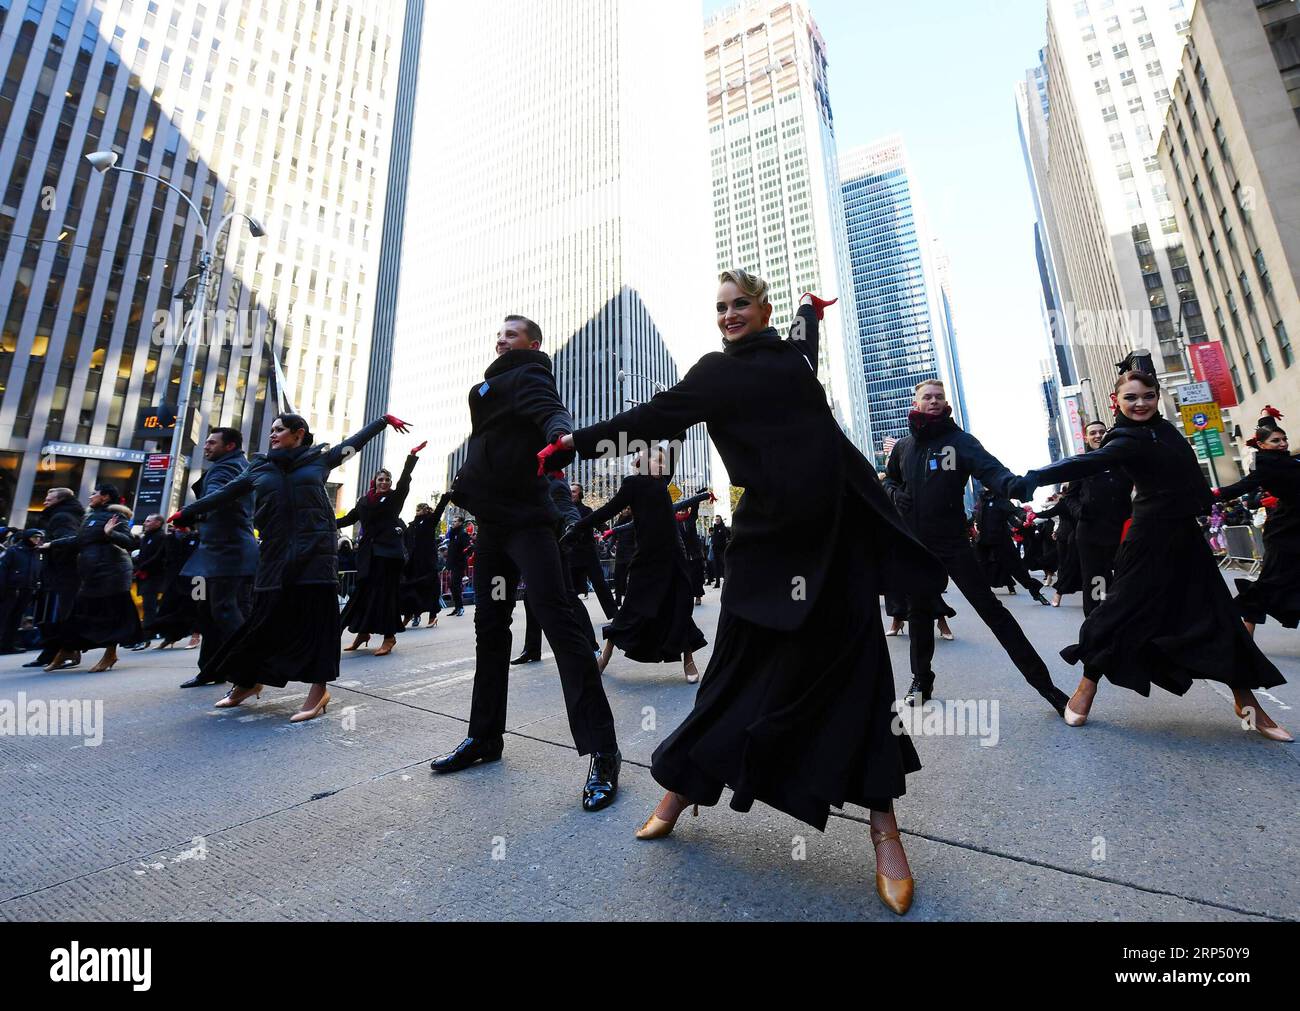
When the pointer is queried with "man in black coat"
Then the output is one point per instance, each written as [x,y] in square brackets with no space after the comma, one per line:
[1105,505]
[719,535]
[226,559]
[149,567]
[20,568]
[926,477]
[994,519]
[586,562]
[515,413]
[60,521]
[458,545]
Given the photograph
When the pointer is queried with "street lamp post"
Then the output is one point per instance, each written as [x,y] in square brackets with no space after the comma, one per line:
[106,161]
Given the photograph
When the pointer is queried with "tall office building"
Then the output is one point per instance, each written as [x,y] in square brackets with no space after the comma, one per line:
[278,110]
[777,204]
[1231,147]
[901,289]
[568,186]
[1109,68]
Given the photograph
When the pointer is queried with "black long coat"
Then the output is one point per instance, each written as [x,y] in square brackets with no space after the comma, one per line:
[227,546]
[61,523]
[1105,505]
[104,559]
[1278,474]
[293,511]
[767,415]
[383,534]
[659,549]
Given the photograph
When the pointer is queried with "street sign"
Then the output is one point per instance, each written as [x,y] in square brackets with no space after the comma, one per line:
[93,452]
[1210,364]
[148,494]
[1211,439]
[1199,417]
[1194,393]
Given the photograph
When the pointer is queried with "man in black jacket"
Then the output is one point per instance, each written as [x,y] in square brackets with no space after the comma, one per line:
[226,559]
[926,477]
[585,561]
[60,521]
[719,535]
[994,518]
[1105,505]
[20,568]
[515,413]
[458,545]
[149,568]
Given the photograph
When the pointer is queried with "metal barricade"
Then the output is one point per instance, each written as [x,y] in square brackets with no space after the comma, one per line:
[1243,550]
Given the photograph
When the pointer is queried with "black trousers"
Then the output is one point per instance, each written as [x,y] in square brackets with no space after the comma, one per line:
[227,604]
[1015,567]
[457,575]
[966,571]
[533,629]
[620,582]
[13,605]
[585,566]
[505,554]
[1097,562]
[149,591]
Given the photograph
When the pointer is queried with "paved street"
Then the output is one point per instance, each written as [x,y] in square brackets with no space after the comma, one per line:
[1159,809]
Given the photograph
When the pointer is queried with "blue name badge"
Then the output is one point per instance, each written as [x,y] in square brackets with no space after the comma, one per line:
[934,464]
[482,390]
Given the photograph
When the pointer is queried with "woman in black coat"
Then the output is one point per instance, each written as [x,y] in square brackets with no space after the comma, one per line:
[1105,506]
[104,613]
[688,517]
[797,705]
[654,622]
[1069,574]
[293,631]
[178,614]
[420,590]
[375,606]
[1168,619]
[1277,590]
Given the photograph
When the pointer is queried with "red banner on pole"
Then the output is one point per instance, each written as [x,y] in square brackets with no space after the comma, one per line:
[1210,365]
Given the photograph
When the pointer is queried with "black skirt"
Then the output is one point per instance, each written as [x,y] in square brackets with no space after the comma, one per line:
[1169,618]
[419,595]
[178,614]
[1276,593]
[1069,573]
[375,606]
[661,637]
[100,622]
[291,635]
[802,721]
[899,605]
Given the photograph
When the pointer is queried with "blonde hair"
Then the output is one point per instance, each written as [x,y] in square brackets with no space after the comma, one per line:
[751,284]
[930,382]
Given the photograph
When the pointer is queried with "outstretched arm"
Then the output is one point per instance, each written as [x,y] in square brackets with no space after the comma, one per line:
[345,450]
[606,512]
[1245,486]
[692,401]
[1112,454]
[805,334]
[201,507]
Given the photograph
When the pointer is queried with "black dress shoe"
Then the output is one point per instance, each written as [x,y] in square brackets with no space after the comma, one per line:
[602,781]
[1042,600]
[458,613]
[469,752]
[197,682]
[919,690]
[523,658]
[38,663]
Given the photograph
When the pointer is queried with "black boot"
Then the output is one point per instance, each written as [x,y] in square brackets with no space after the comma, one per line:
[1041,599]
[469,752]
[602,781]
[924,689]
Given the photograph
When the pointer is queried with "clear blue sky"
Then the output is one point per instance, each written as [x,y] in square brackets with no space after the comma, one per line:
[942,75]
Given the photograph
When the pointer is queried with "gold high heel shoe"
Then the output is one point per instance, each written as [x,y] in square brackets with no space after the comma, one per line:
[897,895]
[311,714]
[357,643]
[658,828]
[1274,733]
[237,696]
[386,647]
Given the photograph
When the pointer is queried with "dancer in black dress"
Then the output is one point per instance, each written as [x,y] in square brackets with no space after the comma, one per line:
[103,613]
[688,517]
[1105,506]
[654,624]
[995,517]
[420,590]
[293,631]
[1277,590]
[1168,618]
[178,612]
[624,535]
[1069,574]
[375,606]
[797,705]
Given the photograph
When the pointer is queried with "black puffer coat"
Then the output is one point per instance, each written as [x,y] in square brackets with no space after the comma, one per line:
[293,512]
[104,566]
[383,534]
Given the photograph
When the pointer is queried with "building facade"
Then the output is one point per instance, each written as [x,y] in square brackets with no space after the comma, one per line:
[280,111]
[777,199]
[902,289]
[1231,148]
[572,191]
[1108,70]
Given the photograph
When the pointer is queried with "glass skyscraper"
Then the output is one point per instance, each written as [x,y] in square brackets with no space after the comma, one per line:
[904,312]
[279,110]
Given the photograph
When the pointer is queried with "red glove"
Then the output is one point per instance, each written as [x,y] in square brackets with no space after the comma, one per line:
[712,497]
[175,518]
[545,455]
[1268,502]
[819,304]
[397,423]
[1217,492]
[607,535]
